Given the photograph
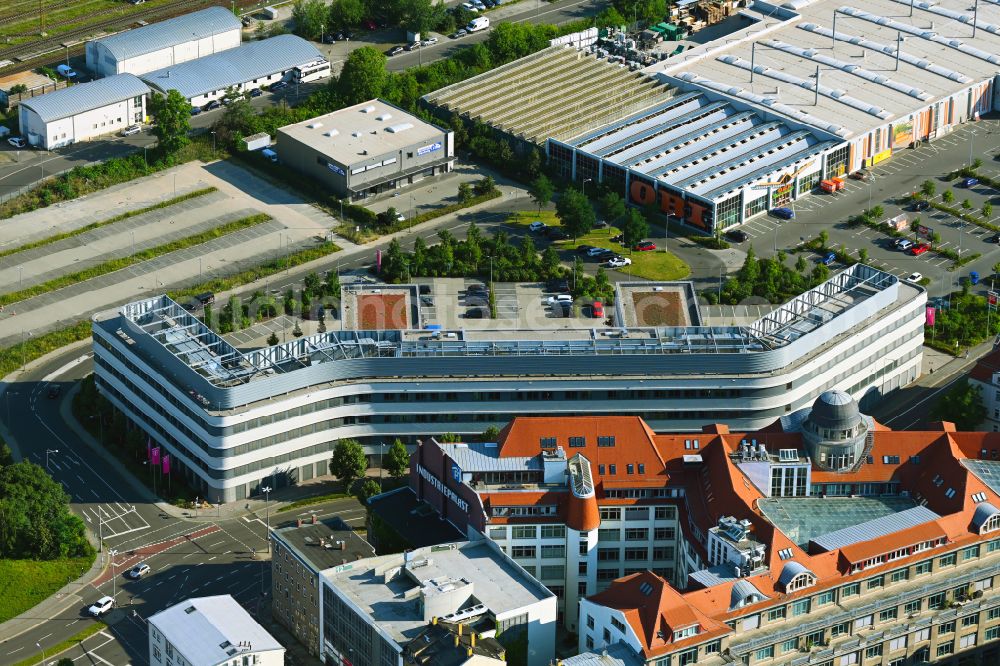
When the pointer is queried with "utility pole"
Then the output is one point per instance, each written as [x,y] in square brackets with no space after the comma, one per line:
[267,517]
[114,581]
[47,452]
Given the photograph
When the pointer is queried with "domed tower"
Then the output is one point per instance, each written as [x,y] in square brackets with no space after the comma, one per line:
[835,431]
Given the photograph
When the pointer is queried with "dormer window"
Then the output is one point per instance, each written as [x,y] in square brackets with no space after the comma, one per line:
[795,577]
[800,582]
[686,632]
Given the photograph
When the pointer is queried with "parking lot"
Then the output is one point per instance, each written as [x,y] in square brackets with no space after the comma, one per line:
[889,187]
[452,305]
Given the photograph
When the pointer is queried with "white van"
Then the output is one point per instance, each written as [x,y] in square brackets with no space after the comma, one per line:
[66,71]
[270,154]
[477,24]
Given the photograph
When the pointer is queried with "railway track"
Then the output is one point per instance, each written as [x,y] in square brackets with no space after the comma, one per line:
[37,52]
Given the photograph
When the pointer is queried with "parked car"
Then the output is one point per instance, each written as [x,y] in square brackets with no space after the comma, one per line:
[920,204]
[597,310]
[536,226]
[475,313]
[904,244]
[256,92]
[596,251]
[860,175]
[138,571]
[919,249]
[995,238]
[562,309]
[600,224]
[645,246]
[583,249]
[737,235]
[969,182]
[394,51]
[914,278]
[619,262]
[620,238]
[783,213]
[426,300]
[458,34]
[476,289]
[213,105]
[101,606]
[280,85]
[974,277]
[131,129]
[413,46]
[17,142]
[329,39]
[66,71]
[469,7]
[429,41]
[828,258]
[560,298]
[424,289]
[555,233]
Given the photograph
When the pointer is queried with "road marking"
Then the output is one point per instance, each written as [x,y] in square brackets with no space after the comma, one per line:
[212,558]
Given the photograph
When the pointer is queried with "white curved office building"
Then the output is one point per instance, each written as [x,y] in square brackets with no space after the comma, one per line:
[236,419]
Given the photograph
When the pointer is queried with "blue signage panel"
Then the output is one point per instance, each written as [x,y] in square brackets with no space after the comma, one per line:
[429,149]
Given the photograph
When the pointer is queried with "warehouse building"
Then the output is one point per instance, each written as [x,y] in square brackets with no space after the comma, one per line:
[83,111]
[366,149]
[236,420]
[249,67]
[165,43]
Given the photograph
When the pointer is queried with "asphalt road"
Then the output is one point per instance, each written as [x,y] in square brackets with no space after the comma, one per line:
[187,558]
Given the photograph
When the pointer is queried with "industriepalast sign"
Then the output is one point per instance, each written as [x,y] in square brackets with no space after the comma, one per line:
[443,489]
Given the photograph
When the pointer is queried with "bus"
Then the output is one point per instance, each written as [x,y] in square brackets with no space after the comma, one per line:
[313,71]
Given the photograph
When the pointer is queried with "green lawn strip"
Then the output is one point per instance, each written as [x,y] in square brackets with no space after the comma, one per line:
[26,583]
[526,217]
[309,501]
[267,269]
[349,230]
[117,264]
[103,223]
[59,648]
[653,265]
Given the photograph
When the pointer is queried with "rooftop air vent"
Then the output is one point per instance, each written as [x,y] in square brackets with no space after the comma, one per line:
[384,117]
[315,125]
[331,133]
[368,109]
[396,129]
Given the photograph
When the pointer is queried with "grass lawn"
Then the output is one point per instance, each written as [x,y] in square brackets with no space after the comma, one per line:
[24,583]
[309,501]
[655,265]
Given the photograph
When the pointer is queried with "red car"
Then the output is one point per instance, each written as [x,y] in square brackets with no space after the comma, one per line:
[919,248]
[645,246]
[597,310]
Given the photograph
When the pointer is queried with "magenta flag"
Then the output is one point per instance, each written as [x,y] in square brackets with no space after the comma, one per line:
[166,463]
[154,457]
[930,315]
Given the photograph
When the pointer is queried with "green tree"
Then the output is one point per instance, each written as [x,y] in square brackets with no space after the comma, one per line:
[397,460]
[491,434]
[449,438]
[634,227]
[550,265]
[824,238]
[346,14]
[35,520]
[948,196]
[612,207]
[541,191]
[928,188]
[800,264]
[6,455]
[395,267]
[987,210]
[575,212]
[962,405]
[465,192]
[877,212]
[610,16]
[208,315]
[935,237]
[272,339]
[417,15]
[977,164]
[173,120]
[348,462]
[966,204]
[485,186]
[363,76]
[367,489]
[311,283]
[332,286]
[310,17]
[863,255]
[297,330]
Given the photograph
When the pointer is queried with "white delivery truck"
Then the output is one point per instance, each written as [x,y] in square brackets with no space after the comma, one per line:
[477,24]
[270,13]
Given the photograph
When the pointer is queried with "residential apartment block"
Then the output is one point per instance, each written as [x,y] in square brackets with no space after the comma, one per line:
[236,419]
[825,538]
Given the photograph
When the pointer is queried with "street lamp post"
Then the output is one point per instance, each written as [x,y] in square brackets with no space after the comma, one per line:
[132,234]
[39,646]
[213,142]
[114,582]
[47,452]
[267,516]
[585,185]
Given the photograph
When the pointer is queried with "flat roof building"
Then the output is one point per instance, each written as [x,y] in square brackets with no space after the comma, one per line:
[366,149]
[248,67]
[164,43]
[300,552]
[210,631]
[236,419]
[83,111]
[395,597]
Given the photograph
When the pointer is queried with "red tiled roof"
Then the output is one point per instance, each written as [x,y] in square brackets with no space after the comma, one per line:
[985,367]
[860,552]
